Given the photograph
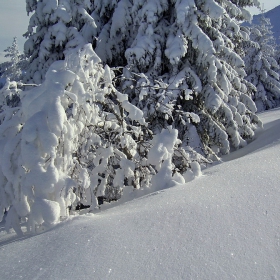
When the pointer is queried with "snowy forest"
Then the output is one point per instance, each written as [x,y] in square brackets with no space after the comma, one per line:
[115,98]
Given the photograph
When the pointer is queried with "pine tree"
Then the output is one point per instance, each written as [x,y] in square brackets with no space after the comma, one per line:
[54,28]
[13,67]
[76,139]
[182,60]
[261,65]
[173,87]
[185,60]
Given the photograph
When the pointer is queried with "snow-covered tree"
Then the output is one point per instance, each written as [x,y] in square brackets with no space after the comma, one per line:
[172,92]
[184,55]
[262,66]
[76,138]
[13,67]
[9,95]
[55,27]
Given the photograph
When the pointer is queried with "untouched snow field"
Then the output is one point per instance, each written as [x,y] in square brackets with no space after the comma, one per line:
[223,225]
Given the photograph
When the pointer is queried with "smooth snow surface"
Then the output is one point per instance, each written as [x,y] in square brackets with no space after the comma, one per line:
[223,225]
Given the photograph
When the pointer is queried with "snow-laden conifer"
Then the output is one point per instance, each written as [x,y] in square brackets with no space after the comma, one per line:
[184,56]
[198,41]
[76,139]
[55,27]
[261,65]
[12,69]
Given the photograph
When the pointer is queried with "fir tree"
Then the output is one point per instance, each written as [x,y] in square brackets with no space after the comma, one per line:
[185,55]
[189,54]
[261,65]
[174,86]
[12,68]
[54,28]
[76,139]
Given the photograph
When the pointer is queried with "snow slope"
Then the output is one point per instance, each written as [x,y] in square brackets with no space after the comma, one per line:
[223,225]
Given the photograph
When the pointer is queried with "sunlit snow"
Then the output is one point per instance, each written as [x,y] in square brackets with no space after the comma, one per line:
[223,225]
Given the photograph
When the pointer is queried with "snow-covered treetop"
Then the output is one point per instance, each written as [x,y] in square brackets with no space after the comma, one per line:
[55,27]
[12,68]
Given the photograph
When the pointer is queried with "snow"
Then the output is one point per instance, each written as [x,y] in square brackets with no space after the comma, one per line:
[222,225]
[163,145]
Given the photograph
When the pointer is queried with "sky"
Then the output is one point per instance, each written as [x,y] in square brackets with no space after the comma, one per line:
[14,22]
